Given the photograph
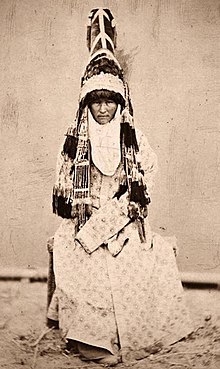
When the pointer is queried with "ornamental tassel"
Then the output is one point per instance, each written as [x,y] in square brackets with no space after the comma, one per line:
[82,209]
[138,197]
[138,189]
[123,186]
[139,194]
[61,204]
[70,146]
[64,208]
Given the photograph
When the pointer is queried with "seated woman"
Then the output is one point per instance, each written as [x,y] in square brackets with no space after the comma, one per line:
[118,294]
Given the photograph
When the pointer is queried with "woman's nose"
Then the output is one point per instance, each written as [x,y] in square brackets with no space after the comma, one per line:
[102,107]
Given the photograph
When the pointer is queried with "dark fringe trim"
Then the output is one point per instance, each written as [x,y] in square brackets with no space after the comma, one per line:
[139,194]
[70,146]
[130,104]
[61,206]
[134,140]
[128,136]
[125,135]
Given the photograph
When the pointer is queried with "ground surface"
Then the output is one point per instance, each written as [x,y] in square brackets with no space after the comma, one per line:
[22,322]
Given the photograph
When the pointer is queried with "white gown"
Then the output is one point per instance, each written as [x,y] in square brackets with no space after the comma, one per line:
[134,299]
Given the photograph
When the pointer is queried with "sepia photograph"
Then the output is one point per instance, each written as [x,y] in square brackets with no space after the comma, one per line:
[110,184]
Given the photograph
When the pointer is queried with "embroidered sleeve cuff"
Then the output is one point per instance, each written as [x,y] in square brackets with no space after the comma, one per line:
[102,225]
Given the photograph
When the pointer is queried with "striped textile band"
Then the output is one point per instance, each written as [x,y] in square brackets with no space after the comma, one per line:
[104,53]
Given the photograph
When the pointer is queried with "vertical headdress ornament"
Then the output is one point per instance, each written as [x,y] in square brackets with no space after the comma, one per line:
[103,70]
[71,195]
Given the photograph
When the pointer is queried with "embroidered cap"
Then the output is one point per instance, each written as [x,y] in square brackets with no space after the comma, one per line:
[103,70]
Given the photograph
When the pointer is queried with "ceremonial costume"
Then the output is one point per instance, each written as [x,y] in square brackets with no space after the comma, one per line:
[117,285]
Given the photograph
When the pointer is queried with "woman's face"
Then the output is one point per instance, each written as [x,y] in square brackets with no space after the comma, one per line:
[103,110]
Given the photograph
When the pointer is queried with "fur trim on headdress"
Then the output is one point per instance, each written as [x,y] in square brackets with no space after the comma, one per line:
[102,81]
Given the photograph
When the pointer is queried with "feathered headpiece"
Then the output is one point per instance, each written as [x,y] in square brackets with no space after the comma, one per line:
[71,194]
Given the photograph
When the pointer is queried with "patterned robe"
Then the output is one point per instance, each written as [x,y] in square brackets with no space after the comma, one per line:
[134,298]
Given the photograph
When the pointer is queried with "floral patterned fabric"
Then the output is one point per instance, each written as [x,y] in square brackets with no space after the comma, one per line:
[134,297]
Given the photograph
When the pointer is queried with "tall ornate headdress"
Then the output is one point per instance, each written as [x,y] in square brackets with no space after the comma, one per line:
[71,194]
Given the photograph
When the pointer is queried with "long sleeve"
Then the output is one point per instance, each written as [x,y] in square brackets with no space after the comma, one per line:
[63,187]
[63,169]
[148,160]
[104,224]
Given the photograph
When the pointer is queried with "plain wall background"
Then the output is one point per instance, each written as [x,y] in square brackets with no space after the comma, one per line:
[172,49]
